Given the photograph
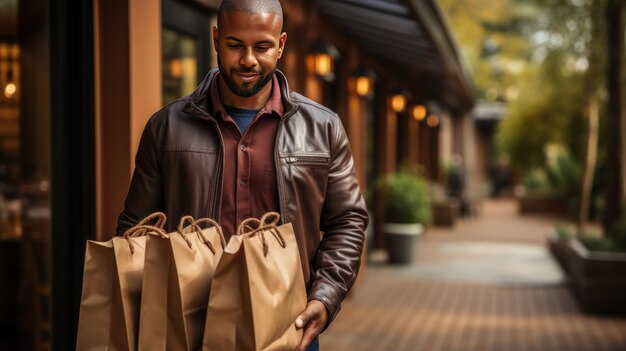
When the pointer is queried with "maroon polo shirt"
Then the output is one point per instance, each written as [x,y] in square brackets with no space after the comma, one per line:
[249,187]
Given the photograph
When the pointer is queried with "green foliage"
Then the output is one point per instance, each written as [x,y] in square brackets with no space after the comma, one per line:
[548,111]
[407,198]
[534,54]
[492,37]
[565,174]
[615,242]
[596,243]
[564,232]
[536,181]
[618,234]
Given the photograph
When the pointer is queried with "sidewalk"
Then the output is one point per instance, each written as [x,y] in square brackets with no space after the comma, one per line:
[487,284]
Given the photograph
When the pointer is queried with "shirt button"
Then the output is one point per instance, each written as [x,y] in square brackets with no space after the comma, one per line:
[242,182]
[242,147]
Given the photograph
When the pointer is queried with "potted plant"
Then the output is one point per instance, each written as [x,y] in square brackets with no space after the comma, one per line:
[597,268]
[558,242]
[407,210]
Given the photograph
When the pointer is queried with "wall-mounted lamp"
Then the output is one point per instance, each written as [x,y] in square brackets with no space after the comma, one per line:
[398,100]
[323,55]
[432,120]
[419,112]
[364,80]
[10,89]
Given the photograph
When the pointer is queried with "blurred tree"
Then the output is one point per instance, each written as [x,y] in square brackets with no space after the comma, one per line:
[546,58]
[491,35]
[548,111]
[553,96]
[592,98]
[615,124]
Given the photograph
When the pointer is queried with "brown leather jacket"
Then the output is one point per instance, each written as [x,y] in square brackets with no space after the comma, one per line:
[179,169]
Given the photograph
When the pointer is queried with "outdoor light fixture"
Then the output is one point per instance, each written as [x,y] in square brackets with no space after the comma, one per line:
[324,55]
[10,89]
[432,121]
[419,112]
[364,79]
[398,102]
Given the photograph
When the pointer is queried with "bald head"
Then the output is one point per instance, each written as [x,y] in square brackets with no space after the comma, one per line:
[251,7]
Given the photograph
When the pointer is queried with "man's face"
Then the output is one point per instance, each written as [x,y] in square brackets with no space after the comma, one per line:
[248,47]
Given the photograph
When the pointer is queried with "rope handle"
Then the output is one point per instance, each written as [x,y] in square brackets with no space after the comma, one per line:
[211,223]
[182,228]
[248,225]
[141,230]
[160,216]
[195,224]
[181,224]
[267,223]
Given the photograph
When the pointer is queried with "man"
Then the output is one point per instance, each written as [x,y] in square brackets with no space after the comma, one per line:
[242,144]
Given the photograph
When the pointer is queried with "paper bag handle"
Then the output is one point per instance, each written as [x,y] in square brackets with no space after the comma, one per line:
[183,221]
[182,228]
[195,224]
[160,216]
[248,225]
[267,223]
[141,230]
[218,228]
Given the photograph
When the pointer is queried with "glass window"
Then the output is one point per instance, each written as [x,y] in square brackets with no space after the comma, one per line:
[24,176]
[180,67]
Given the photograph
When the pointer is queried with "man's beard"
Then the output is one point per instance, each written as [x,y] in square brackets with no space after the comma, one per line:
[247,89]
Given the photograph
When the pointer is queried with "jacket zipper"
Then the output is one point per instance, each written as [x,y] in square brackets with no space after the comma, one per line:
[279,175]
[307,159]
[219,176]
[213,212]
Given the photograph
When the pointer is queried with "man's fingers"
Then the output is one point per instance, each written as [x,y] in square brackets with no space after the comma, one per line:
[303,319]
[309,334]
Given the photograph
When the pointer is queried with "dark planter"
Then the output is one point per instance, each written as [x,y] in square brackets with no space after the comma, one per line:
[598,278]
[558,249]
[401,241]
[543,203]
[446,213]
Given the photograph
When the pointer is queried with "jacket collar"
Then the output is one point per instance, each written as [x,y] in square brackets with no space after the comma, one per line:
[198,102]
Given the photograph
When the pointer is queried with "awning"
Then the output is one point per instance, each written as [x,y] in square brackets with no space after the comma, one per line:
[411,32]
[489,111]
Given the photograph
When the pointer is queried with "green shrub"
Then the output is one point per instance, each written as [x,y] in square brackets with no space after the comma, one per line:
[561,176]
[597,243]
[615,242]
[564,232]
[407,198]
[536,181]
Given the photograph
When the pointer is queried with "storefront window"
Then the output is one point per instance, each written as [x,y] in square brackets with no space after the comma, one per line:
[24,176]
[180,67]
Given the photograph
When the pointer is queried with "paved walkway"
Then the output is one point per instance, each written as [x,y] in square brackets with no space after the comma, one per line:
[488,284]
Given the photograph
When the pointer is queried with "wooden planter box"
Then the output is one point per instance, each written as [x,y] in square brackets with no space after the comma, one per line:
[538,203]
[446,213]
[598,278]
[558,249]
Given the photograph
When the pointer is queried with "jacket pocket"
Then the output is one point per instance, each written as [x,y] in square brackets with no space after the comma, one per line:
[307,159]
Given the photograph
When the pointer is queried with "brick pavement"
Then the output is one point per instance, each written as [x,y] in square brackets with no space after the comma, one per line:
[400,308]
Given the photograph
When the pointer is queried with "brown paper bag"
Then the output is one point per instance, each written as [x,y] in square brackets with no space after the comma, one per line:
[258,290]
[177,278]
[109,308]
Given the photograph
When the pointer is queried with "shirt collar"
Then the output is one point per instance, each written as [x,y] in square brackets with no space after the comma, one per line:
[273,105]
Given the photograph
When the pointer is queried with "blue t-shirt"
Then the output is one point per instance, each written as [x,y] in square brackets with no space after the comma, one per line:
[243,117]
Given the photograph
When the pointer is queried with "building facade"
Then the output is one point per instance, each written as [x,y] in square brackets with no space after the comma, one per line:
[80,79]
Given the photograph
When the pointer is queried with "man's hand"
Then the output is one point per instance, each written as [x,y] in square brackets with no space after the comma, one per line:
[313,319]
